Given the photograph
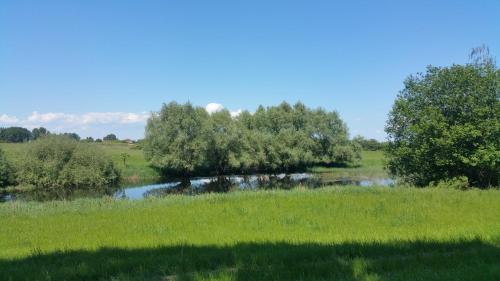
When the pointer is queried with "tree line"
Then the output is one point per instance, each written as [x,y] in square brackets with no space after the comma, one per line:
[370,144]
[185,140]
[20,134]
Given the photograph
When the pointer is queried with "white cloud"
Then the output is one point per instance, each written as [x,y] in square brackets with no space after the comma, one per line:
[236,113]
[214,107]
[86,119]
[114,117]
[8,120]
[44,118]
[61,122]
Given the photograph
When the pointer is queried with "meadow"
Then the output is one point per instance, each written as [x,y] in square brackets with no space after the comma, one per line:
[371,165]
[334,233]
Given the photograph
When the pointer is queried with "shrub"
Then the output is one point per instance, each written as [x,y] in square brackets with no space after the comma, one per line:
[62,162]
[6,171]
[459,183]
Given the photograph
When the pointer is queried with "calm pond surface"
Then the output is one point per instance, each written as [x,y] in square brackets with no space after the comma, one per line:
[201,185]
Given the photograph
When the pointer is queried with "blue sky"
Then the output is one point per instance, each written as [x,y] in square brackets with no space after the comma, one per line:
[95,67]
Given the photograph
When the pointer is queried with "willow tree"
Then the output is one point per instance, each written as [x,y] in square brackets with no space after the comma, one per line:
[175,139]
[186,140]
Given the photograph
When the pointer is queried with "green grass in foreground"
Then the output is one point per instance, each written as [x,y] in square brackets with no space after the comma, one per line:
[326,234]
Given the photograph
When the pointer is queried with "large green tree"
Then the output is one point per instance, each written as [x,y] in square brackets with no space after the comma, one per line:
[186,140]
[175,139]
[445,123]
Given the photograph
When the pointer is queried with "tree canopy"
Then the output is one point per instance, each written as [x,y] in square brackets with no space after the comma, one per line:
[185,140]
[39,132]
[110,137]
[445,124]
[15,134]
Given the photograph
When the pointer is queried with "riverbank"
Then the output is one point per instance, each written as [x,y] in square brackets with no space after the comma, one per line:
[136,170]
[348,233]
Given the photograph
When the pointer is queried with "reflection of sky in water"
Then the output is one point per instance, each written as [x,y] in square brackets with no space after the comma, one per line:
[213,184]
[198,186]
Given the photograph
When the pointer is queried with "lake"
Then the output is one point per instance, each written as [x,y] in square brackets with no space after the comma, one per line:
[199,185]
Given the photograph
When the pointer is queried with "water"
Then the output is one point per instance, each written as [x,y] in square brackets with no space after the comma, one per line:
[196,186]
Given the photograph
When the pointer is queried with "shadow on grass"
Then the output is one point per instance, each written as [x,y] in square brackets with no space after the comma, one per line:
[467,260]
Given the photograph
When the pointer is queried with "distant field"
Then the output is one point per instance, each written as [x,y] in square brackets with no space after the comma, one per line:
[137,168]
[338,233]
[370,166]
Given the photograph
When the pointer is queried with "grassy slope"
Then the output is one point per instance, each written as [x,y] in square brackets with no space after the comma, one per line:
[137,168]
[332,233]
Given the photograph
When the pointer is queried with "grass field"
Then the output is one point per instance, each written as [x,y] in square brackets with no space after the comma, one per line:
[337,233]
[370,166]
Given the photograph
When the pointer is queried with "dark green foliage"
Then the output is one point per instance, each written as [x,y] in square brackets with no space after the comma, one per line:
[446,124]
[15,134]
[186,140]
[73,136]
[59,161]
[39,132]
[224,142]
[6,171]
[110,137]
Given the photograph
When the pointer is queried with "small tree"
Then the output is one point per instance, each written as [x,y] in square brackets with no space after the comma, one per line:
[446,124]
[110,137]
[73,136]
[39,132]
[124,156]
